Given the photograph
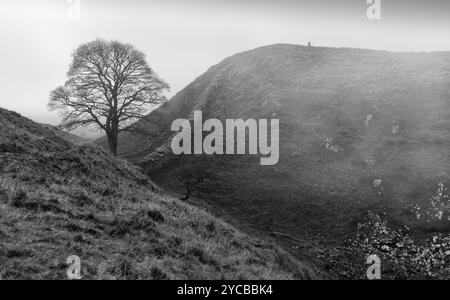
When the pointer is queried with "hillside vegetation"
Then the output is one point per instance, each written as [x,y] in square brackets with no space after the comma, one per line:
[59,200]
[361,131]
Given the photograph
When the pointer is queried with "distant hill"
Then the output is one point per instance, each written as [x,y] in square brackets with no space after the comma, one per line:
[73,138]
[59,200]
[360,130]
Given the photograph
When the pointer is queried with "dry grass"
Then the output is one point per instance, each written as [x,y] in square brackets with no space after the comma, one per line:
[58,200]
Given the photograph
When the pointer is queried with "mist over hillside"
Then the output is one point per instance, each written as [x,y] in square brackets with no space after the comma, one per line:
[70,137]
[58,200]
[360,131]
[225,147]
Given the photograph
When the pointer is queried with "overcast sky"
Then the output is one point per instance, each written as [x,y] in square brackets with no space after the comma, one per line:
[183,38]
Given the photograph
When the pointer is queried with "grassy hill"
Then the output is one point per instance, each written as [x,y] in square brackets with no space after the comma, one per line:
[349,119]
[58,200]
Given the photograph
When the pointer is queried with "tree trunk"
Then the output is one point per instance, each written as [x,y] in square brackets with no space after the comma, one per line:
[114,131]
[113,143]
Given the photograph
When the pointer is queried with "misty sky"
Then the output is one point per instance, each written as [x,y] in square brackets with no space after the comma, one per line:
[183,38]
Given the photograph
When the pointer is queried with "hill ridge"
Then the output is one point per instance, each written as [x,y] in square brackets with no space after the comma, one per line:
[360,130]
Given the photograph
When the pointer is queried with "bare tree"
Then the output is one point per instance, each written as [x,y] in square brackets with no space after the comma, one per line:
[109,85]
[190,179]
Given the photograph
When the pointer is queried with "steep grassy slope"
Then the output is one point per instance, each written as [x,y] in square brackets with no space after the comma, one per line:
[58,200]
[348,118]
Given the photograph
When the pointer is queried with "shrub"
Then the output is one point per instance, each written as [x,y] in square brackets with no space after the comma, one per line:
[436,209]
[401,256]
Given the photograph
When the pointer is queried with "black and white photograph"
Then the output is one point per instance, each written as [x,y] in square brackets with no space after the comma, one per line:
[224,147]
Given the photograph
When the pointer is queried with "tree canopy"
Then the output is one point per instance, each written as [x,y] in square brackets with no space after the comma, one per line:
[110,85]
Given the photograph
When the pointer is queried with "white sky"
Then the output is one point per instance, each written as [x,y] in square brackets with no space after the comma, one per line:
[183,38]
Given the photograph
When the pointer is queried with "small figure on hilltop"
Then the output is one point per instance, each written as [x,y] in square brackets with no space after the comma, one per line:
[309,44]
